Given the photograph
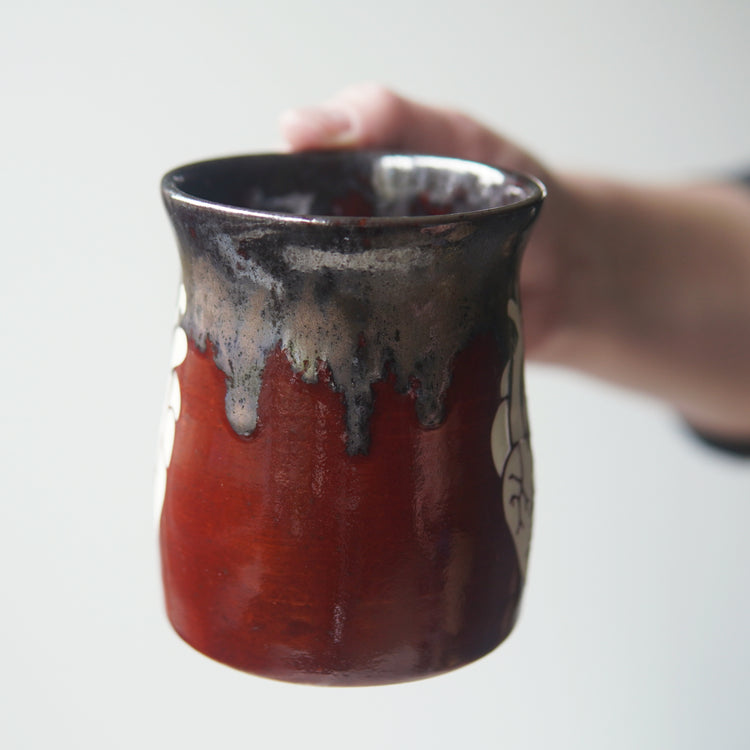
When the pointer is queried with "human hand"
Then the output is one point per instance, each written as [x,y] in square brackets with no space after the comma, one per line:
[370,116]
[648,287]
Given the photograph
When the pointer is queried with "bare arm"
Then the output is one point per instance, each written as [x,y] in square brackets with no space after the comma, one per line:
[648,287]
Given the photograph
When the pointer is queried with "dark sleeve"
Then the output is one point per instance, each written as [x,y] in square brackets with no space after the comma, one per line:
[738,447]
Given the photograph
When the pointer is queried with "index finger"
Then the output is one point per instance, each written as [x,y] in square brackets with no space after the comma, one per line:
[372,116]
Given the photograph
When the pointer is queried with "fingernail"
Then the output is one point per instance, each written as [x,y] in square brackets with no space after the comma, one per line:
[320,126]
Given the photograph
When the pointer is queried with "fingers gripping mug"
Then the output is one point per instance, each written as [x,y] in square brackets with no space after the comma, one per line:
[347,489]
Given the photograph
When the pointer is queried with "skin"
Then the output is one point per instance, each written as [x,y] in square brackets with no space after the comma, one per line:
[645,286]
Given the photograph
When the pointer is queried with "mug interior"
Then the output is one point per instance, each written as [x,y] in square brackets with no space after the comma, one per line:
[353,184]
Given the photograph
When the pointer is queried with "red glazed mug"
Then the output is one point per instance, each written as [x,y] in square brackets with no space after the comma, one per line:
[347,489]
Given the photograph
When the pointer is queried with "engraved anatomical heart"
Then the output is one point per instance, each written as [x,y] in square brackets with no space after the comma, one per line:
[511,451]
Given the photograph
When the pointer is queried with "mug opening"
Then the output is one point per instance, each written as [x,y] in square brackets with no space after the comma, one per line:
[352,185]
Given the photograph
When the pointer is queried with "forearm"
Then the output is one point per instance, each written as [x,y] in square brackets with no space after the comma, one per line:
[656,294]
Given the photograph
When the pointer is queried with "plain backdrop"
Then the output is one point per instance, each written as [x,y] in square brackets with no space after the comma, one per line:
[634,630]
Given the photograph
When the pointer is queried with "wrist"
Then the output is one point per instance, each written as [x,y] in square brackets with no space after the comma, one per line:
[653,290]
[581,285]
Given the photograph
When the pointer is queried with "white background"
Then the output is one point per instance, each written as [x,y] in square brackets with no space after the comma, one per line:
[634,631]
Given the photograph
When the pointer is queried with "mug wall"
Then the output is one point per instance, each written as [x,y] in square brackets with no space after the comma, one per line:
[632,631]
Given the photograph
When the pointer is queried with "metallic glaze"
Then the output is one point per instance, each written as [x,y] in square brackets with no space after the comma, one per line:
[361,294]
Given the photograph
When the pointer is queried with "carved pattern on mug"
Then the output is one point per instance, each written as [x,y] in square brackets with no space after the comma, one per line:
[171,411]
[511,451]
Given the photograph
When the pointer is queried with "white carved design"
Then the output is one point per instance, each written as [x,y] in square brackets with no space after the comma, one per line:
[171,411]
[511,451]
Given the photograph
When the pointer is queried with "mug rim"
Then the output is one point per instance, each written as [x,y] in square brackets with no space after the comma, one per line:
[173,192]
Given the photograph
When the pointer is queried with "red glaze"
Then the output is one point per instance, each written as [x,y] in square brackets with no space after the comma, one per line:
[286,557]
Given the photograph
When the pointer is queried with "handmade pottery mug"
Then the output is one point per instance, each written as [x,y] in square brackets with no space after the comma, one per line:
[346,480]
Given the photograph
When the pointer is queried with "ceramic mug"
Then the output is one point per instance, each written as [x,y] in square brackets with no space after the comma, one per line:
[347,488]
